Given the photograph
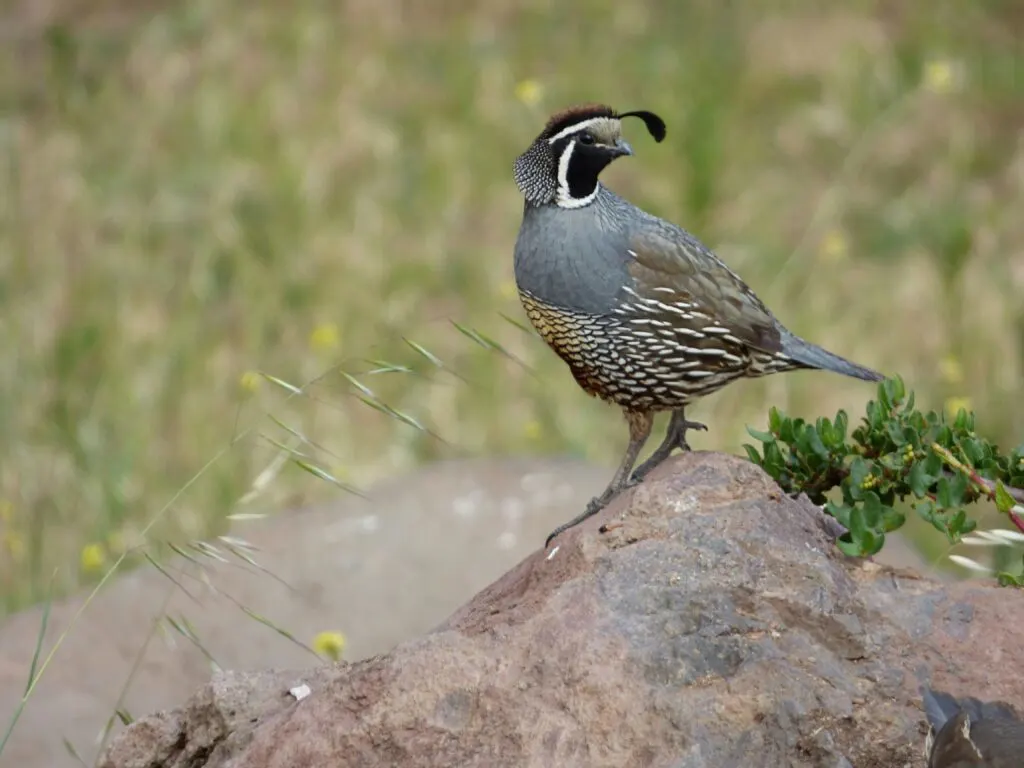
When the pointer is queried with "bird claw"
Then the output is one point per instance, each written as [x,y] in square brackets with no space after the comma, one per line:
[596,505]
[678,435]
[687,426]
[636,478]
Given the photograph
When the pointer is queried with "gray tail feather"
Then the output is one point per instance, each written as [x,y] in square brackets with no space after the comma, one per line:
[813,356]
[940,707]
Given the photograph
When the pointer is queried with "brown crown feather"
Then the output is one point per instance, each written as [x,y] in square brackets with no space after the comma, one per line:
[576,114]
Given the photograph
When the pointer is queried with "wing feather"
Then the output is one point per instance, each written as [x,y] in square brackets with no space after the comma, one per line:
[674,267]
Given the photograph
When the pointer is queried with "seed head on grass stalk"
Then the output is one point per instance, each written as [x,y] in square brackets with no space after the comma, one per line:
[37,668]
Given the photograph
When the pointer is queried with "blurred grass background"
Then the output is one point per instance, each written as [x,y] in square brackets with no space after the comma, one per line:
[194,193]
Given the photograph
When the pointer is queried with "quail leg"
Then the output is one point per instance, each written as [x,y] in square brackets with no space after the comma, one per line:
[639,430]
[675,437]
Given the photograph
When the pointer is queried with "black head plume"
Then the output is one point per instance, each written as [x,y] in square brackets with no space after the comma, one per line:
[655,125]
[564,161]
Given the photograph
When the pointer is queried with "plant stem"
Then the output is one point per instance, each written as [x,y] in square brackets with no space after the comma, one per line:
[987,486]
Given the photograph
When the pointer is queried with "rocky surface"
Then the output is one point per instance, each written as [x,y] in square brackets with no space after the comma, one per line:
[711,624]
[381,570]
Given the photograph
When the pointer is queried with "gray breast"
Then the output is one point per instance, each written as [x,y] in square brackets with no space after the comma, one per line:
[573,258]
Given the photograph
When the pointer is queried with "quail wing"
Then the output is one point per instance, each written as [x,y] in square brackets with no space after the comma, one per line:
[675,269]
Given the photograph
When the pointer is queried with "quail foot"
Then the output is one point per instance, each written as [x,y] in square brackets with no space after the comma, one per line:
[969,733]
[645,316]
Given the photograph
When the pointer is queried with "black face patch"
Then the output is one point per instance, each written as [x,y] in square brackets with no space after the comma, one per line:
[585,165]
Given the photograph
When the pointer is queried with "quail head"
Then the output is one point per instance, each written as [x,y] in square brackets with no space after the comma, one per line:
[644,315]
[970,733]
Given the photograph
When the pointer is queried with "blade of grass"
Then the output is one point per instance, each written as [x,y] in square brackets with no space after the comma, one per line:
[167,575]
[301,436]
[490,344]
[521,326]
[33,675]
[381,366]
[73,752]
[323,474]
[280,630]
[136,665]
[290,388]
[43,624]
[433,359]
[184,628]
[426,353]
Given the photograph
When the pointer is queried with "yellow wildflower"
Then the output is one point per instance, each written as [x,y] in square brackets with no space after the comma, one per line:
[250,381]
[329,644]
[939,76]
[532,429]
[93,557]
[508,290]
[834,247]
[325,336]
[951,370]
[529,91]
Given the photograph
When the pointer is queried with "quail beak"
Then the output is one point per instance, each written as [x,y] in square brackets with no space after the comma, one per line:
[622,148]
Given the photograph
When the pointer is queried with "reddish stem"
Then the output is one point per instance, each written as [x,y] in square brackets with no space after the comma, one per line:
[987,486]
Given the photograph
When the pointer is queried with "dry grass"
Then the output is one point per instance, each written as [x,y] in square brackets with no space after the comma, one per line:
[221,188]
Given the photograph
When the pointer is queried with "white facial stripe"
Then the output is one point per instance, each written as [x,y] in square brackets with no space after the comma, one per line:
[592,122]
[563,171]
[564,198]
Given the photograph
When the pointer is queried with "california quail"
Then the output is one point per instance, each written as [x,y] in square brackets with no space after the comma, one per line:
[644,314]
[970,733]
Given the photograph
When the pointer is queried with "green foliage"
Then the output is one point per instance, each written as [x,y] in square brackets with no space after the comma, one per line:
[897,453]
[1007,579]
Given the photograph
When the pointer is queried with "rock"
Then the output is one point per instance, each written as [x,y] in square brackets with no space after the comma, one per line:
[219,720]
[381,570]
[712,624]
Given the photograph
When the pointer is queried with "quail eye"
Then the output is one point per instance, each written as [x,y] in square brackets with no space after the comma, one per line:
[586,138]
